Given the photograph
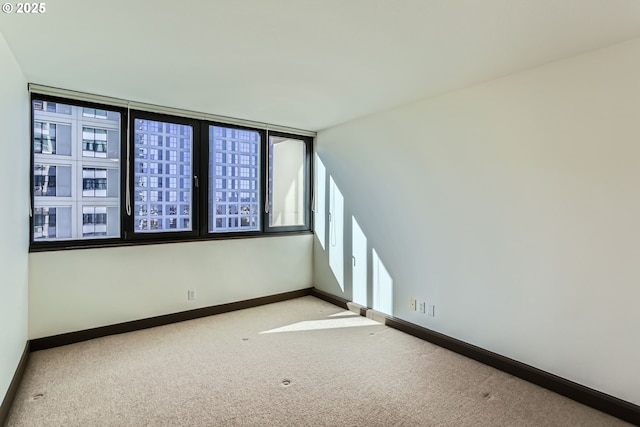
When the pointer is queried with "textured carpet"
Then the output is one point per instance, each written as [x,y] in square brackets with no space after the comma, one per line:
[302,362]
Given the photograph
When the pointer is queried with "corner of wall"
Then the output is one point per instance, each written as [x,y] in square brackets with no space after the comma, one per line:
[14,219]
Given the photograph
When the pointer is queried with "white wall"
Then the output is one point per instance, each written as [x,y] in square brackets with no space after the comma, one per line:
[14,214]
[514,207]
[80,289]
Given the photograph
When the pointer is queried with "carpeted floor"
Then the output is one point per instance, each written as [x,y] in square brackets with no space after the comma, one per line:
[302,362]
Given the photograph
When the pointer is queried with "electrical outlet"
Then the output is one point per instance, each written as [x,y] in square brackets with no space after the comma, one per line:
[413,304]
[423,307]
[431,310]
[191,294]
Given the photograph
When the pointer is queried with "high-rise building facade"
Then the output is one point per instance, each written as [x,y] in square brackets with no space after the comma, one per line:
[76,172]
[162,176]
[234,171]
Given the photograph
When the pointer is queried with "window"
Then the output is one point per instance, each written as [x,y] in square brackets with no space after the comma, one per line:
[94,221]
[51,107]
[51,180]
[51,223]
[288,184]
[182,178]
[229,209]
[162,171]
[94,112]
[94,142]
[44,138]
[76,166]
[94,182]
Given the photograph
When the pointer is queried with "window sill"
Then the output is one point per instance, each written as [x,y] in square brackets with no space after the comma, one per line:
[73,245]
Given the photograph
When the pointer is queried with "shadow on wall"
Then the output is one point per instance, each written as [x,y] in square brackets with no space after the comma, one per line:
[370,283]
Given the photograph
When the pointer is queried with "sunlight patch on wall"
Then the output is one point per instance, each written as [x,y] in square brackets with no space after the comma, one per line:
[382,286]
[359,263]
[336,232]
[320,205]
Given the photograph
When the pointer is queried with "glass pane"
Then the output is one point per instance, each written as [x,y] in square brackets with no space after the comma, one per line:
[44,180]
[94,143]
[73,175]
[51,180]
[233,154]
[156,209]
[50,223]
[94,221]
[95,182]
[286,182]
[44,137]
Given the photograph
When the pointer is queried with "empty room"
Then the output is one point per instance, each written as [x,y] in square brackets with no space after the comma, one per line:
[358,212]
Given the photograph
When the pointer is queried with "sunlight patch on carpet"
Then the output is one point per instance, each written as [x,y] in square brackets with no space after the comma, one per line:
[345,313]
[312,325]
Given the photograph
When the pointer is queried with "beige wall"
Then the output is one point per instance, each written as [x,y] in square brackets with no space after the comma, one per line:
[81,289]
[514,207]
[14,214]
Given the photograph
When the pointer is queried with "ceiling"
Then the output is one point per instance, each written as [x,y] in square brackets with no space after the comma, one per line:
[308,64]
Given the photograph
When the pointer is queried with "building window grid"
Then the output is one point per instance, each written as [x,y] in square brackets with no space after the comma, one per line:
[49,203]
[44,222]
[94,113]
[51,107]
[94,182]
[44,137]
[94,142]
[236,199]
[94,221]
[159,211]
[44,180]
[155,154]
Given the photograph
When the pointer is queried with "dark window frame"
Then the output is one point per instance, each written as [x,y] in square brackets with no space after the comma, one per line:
[200,192]
[130,233]
[308,189]
[35,246]
[204,182]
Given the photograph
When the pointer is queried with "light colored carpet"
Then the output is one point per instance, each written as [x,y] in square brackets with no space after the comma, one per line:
[302,362]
